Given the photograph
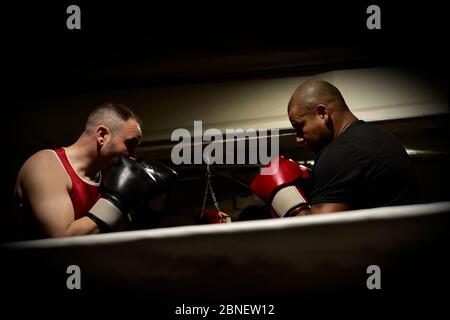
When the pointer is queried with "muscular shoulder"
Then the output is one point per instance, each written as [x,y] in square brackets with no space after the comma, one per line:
[43,166]
[43,160]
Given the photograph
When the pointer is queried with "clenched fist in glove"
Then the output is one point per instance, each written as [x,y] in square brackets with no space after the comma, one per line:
[125,185]
[164,175]
[281,189]
[148,214]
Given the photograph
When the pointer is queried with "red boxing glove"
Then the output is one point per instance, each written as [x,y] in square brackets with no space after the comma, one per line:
[281,190]
[211,216]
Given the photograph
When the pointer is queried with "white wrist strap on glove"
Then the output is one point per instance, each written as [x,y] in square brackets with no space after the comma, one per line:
[286,199]
[106,211]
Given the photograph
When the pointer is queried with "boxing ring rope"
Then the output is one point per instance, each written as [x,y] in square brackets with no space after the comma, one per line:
[264,258]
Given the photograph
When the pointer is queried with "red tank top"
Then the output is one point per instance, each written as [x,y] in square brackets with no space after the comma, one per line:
[83,194]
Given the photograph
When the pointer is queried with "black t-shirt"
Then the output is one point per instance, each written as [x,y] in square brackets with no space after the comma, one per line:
[364,167]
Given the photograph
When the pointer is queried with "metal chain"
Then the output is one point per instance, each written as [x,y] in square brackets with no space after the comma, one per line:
[209,188]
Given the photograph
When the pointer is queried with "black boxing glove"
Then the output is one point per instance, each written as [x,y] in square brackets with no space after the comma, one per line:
[122,187]
[164,175]
[149,212]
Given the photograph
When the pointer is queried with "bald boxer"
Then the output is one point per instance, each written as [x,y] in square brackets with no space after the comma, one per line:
[357,165]
[57,191]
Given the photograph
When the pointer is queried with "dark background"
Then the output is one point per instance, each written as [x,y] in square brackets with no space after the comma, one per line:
[44,56]
[131,45]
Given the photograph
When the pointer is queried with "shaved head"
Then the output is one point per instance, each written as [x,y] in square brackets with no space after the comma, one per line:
[111,114]
[314,92]
[318,113]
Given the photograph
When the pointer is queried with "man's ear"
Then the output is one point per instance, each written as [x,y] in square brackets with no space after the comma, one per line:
[322,112]
[103,134]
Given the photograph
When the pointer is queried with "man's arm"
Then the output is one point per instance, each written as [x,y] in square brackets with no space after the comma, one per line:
[325,208]
[328,208]
[45,186]
[336,179]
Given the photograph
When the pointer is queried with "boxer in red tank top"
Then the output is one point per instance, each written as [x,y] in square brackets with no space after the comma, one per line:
[83,194]
[55,189]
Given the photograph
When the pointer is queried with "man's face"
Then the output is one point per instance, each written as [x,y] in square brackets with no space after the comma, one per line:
[310,128]
[125,140]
